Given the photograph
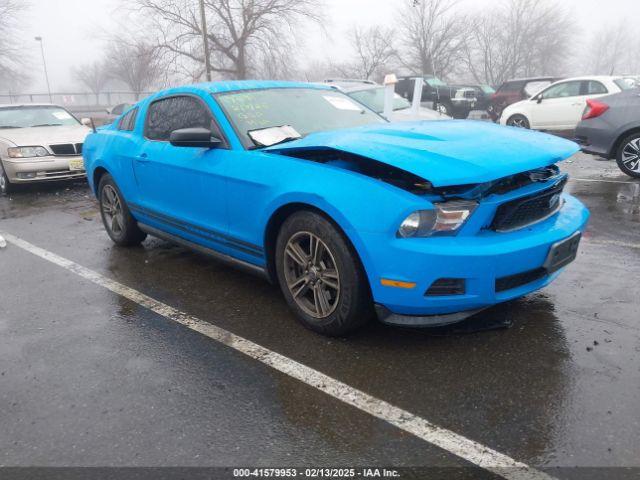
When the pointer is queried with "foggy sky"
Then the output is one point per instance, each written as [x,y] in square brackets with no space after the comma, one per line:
[72,29]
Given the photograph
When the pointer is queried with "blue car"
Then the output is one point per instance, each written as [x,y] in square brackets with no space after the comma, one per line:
[420,223]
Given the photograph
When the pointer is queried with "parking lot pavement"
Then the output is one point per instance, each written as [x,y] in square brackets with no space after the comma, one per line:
[88,377]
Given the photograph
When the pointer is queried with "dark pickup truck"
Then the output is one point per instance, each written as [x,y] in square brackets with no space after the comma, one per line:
[456,102]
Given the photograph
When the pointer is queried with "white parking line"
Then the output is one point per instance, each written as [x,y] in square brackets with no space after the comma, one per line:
[615,243]
[469,450]
[603,180]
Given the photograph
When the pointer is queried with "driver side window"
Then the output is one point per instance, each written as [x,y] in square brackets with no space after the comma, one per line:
[174,113]
[563,90]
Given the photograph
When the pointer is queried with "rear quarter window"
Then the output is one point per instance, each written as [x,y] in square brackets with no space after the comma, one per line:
[128,122]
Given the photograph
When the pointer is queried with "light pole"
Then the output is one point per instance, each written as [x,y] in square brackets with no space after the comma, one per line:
[205,41]
[44,63]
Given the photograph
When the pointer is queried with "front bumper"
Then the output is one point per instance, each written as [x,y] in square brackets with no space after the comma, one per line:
[41,169]
[484,261]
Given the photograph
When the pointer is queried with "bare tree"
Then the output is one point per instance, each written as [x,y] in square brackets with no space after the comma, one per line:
[12,59]
[374,51]
[432,35]
[518,38]
[612,50]
[241,33]
[93,76]
[136,63]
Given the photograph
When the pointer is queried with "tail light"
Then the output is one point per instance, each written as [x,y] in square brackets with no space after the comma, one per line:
[594,109]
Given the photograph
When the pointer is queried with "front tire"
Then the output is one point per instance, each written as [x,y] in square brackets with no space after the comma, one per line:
[444,109]
[120,225]
[320,275]
[6,187]
[628,155]
[518,121]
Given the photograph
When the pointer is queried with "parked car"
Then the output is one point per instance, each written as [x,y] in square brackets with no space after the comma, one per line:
[39,143]
[482,94]
[426,222]
[559,107]
[451,101]
[371,95]
[610,128]
[515,90]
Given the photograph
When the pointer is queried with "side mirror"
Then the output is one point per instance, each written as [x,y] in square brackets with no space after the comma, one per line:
[539,99]
[86,122]
[194,137]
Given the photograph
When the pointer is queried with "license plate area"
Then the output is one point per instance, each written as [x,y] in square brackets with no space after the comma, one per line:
[76,164]
[562,253]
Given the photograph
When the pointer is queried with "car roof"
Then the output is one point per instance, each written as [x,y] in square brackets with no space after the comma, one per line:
[351,85]
[531,79]
[18,105]
[591,77]
[238,85]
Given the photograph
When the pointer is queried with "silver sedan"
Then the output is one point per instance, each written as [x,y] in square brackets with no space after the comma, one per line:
[39,143]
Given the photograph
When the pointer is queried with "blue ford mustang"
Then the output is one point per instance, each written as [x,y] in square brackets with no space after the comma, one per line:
[420,223]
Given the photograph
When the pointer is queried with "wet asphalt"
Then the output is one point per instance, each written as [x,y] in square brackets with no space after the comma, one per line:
[88,378]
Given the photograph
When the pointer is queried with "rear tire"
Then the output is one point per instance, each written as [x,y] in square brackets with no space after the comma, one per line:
[6,187]
[320,275]
[628,155]
[518,121]
[120,225]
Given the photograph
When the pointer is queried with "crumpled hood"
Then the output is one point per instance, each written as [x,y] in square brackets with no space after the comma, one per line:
[445,153]
[43,136]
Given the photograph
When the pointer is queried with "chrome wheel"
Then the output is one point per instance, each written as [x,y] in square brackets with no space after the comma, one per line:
[518,122]
[631,155]
[311,275]
[442,109]
[112,210]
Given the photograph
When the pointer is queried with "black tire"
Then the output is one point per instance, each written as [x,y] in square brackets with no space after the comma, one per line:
[127,233]
[462,114]
[629,147]
[518,121]
[349,306]
[6,187]
[444,108]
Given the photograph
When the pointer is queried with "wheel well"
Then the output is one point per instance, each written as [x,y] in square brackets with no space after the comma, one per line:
[614,149]
[273,228]
[97,175]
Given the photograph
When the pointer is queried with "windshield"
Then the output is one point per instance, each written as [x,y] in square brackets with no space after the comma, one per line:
[374,99]
[435,82]
[627,83]
[304,110]
[36,116]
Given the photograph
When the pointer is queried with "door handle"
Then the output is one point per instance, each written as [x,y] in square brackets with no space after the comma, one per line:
[143,157]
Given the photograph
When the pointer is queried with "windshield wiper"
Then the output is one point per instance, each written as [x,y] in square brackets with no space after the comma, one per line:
[47,125]
[4,127]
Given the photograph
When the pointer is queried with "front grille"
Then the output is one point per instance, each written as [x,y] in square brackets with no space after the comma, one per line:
[528,210]
[447,286]
[519,279]
[67,149]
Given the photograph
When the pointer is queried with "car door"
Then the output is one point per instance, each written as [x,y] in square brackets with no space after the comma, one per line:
[182,189]
[555,108]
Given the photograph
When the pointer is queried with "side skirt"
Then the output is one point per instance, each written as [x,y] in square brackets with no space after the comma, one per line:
[248,267]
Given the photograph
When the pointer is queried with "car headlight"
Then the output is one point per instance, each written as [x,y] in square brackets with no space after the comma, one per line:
[446,219]
[27,152]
